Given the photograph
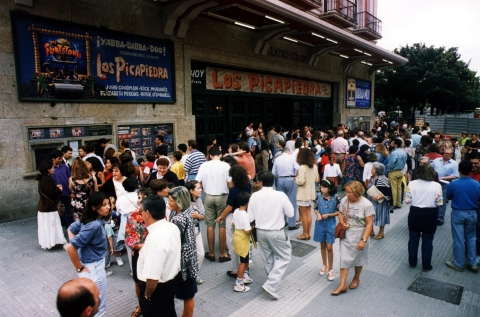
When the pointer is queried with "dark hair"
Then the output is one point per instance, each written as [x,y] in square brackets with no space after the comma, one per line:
[125,157]
[83,148]
[125,144]
[120,168]
[408,143]
[90,148]
[182,147]
[94,201]
[244,146]
[192,143]
[56,153]
[243,199]
[355,142]
[211,139]
[434,148]
[306,157]
[264,145]
[130,184]
[150,157]
[465,167]
[113,160]
[66,148]
[43,169]
[332,189]
[230,160]
[234,147]
[364,147]
[159,150]
[282,143]
[214,151]
[177,155]
[398,142]
[190,185]
[76,302]
[145,192]
[298,143]
[158,185]
[140,160]
[163,161]
[102,141]
[96,165]
[426,172]
[294,135]
[239,176]
[155,206]
[266,178]
[159,138]
[353,149]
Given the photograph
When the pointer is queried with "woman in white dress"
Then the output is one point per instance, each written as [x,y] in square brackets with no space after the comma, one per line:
[50,231]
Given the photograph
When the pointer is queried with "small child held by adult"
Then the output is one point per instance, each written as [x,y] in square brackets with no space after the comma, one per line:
[241,241]
[326,211]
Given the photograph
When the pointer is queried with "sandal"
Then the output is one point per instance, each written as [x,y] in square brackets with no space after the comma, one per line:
[222,259]
[137,312]
[210,257]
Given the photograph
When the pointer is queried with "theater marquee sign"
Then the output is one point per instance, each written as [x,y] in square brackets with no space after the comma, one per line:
[59,61]
[219,79]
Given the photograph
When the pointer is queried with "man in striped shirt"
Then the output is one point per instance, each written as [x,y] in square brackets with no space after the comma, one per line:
[194,160]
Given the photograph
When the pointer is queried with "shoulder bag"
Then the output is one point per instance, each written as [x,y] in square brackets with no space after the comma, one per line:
[339,230]
[60,205]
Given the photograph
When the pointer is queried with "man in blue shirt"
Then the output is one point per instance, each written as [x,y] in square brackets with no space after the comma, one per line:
[464,194]
[396,163]
[61,176]
[285,169]
[447,170]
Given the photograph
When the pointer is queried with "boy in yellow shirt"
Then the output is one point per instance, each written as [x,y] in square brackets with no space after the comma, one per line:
[178,169]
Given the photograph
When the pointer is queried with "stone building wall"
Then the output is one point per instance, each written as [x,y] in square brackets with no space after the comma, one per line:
[207,40]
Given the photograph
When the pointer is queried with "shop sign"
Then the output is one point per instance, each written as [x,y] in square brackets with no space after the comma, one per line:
[230,80]
[59,61]
[276,52]
[358,93]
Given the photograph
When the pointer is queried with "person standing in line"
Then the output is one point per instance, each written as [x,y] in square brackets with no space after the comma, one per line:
[356,215]
[340,148]
[396,164]
[472,145]
[87,247]
[447,170]
[425,195]
[198,214]
[475,174]
[194,160]
[464,193]
[159,142]
[49,227]
[285,169]
[307,175]
[215,180]
[158,266]
[67,155]
[268,207]
[241,241]
[62,176]
[382,209]
[276,139]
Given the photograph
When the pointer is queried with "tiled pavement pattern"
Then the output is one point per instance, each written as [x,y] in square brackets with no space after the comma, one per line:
[30,278]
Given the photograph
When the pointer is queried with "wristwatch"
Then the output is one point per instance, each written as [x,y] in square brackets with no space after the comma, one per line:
[147,298]
[364,240]
[80,269]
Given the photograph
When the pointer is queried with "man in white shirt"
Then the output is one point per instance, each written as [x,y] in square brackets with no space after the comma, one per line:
[91,153]
[213,175]
[268,209]
[158,263]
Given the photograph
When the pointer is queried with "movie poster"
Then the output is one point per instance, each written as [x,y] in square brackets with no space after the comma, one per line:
[59,61]
[141,138]
[358,93]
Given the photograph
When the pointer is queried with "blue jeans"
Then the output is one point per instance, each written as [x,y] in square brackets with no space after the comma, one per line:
[67,220]
[191,177]
[443,207]
[97,274]
[478,231]
[464,224]
[427,249]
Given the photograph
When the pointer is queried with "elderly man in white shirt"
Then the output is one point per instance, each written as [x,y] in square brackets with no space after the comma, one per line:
[158,263]
[267,208]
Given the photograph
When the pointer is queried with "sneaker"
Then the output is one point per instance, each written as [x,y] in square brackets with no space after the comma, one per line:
[107,266]
[331,276]
[131,273]
[119,261]
[473,268]
[452,265]
[272,294]
[247,279]
[198,280]
[241,288]
[323,271]
[108,273]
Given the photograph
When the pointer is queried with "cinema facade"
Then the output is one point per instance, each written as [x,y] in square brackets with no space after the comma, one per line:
[77,71]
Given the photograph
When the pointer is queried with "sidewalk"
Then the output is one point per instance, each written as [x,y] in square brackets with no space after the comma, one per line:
[30,278]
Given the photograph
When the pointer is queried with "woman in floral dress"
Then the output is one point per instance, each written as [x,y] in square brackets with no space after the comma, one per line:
[82,184]
[135,234]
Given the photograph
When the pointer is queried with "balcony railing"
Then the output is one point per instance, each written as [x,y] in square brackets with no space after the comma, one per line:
[347,9]
[366,20]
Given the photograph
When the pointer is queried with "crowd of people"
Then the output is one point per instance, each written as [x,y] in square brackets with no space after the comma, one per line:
[255,189]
